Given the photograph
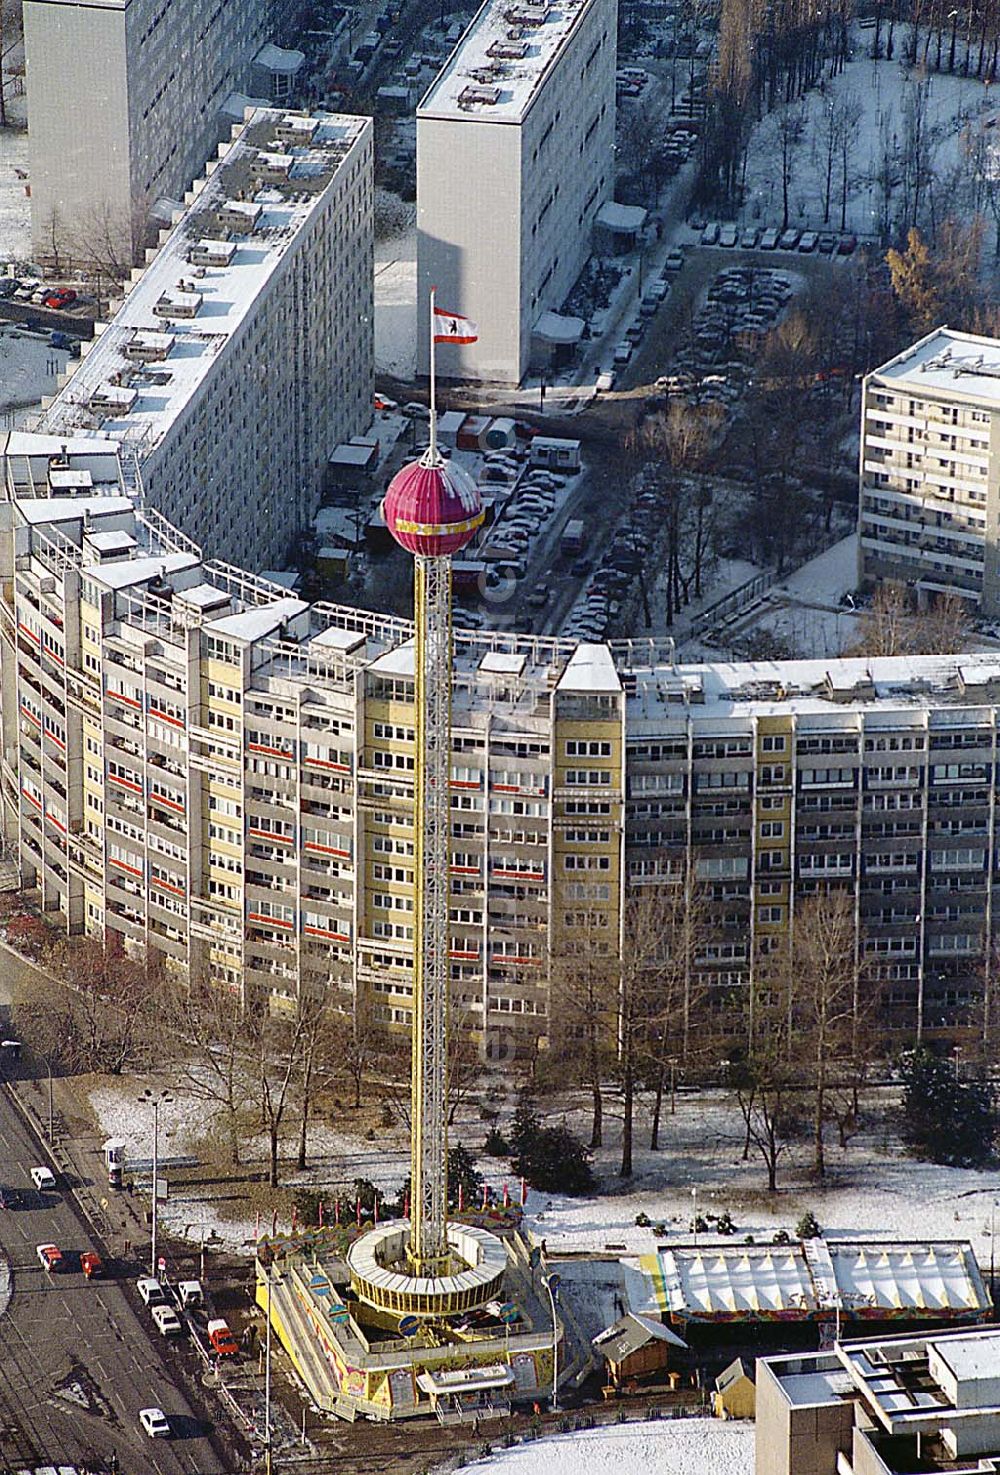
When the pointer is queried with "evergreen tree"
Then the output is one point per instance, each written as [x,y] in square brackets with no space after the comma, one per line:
[550,1159]
[945,1119]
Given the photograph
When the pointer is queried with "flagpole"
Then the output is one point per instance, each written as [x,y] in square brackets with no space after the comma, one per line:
[432,452]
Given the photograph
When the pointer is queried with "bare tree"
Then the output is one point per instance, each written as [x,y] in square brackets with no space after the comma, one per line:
[789,129]
[584,1008]
[204,1032]
[277,1050]
[892,626]
[828,999]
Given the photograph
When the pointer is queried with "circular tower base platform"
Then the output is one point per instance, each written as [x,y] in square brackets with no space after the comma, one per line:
[381,1275]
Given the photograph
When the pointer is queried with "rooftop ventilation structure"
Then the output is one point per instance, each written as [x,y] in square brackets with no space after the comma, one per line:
[478,96]
[509,50]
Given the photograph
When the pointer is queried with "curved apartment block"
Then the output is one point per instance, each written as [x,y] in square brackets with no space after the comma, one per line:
[195,763]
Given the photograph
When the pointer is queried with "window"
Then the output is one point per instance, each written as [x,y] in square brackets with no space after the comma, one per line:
[588,776]
[772,829]
[772,743]
[581,749]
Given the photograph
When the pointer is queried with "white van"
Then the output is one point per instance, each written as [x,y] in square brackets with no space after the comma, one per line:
[43,1179]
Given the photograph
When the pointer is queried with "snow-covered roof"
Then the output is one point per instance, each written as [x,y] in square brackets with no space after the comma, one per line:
[111,542]
[279,59]
[590,668]
[203,596]
[959,366]
[131,571]
[827,691]
[499,66]
[397,662]
[557,327]
[256,624]
[630,1333]
[40,510]
[214,305]
[502,663]
[614,216]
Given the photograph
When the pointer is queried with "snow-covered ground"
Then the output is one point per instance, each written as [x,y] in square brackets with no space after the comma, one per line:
[672,1447]
[28,370]
[15,205]
[882,92]
[396,305]
[871,1189]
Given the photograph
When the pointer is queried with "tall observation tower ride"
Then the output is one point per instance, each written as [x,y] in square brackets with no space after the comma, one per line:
[424,1267]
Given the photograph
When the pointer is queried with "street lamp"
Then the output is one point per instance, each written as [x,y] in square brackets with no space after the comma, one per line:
[48,1067]
[551,1284]
[151,1098]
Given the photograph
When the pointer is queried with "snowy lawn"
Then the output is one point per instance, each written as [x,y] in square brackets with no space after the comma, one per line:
[871,1190]
[675,1447]
[15,206]
[882,92]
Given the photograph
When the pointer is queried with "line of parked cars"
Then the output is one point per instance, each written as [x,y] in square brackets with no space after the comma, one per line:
[772,238]
[165,1303]
[654,295]
[526,514]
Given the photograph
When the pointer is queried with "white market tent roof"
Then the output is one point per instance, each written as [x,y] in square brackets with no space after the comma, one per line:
[813,1278]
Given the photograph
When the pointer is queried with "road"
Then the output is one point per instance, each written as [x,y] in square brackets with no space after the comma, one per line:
[77,1362]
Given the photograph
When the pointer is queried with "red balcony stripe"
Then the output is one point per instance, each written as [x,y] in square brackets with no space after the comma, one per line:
[125,783]
[324,932]
[124,866]
[268,921]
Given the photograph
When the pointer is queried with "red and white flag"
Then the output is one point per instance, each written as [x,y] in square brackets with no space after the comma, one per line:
[451,327]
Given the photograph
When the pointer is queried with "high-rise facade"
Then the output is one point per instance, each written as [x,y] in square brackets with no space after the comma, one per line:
[196,763]
[515,157]
[244,352]
[125,104]
[930,470]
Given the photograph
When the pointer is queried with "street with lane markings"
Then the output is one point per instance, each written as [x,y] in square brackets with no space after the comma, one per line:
[77,1361]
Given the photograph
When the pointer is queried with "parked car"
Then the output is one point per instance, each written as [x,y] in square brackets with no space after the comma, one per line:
[848,244]
[749,238]
[150,1291]
[155,1422]
[580,567]
[622,353]
[60,340]
[222,1339]
[61,297]
[769,239]
[166,1321]
[50,1257]
[8,286]
[43,1178]
[710,235]
[675,259]
[808,240]
[788,240]
[91,1264]
[539,596]
[728,236]
[605,381]
[827,243]
[9,1198]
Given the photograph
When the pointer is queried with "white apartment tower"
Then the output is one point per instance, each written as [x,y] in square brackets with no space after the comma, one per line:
[930,470]
[125,103]
[244,352]
[515,156]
